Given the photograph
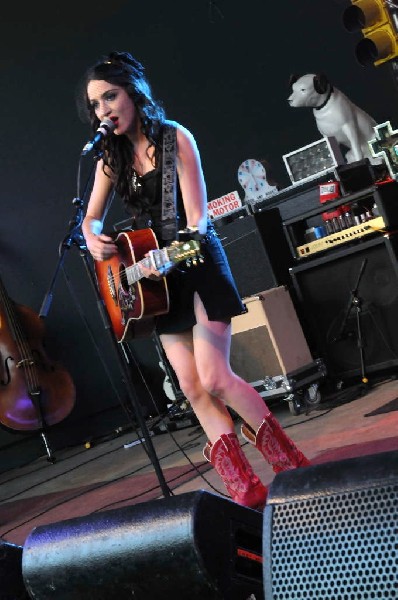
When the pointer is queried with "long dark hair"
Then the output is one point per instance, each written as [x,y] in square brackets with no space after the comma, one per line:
[122,69]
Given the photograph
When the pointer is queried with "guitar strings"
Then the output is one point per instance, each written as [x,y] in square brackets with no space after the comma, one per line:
[128,270]
[111,278]
[27,360]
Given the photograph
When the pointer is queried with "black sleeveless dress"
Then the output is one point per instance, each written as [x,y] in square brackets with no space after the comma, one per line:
[212,279]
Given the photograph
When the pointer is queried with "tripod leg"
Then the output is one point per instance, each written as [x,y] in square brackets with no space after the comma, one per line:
[144,429]
[361,344]
[50,456]
[36,401]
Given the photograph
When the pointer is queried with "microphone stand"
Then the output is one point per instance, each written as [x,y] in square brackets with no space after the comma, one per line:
[74,237]
[356,302]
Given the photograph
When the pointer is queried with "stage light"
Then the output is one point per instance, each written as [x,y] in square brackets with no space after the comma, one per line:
[377,19]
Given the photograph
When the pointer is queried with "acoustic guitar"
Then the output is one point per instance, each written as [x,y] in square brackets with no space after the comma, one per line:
[132,300]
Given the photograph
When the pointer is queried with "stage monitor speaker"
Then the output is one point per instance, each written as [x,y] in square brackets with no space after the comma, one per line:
[11,581]
[194,545]
[268,340]
[257,250]
[330,531]
[324,288]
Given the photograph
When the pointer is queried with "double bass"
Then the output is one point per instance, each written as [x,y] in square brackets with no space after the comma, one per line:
[35,392]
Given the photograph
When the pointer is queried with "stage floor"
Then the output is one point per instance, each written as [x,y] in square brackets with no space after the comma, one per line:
[117,472]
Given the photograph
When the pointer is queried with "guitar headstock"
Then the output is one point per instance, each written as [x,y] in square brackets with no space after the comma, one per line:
[188,250]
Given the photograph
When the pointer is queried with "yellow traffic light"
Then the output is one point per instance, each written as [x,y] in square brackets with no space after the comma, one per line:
[380,36]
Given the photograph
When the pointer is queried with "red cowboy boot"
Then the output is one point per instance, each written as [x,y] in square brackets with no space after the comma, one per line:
[276,447]
[230,462]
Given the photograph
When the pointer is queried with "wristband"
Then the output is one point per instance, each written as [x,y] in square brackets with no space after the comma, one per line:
[191,233]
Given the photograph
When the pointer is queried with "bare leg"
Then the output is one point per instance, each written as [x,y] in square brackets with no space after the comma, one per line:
[223,449]
[212,342]
[210,411]
[201,362]
[212,345]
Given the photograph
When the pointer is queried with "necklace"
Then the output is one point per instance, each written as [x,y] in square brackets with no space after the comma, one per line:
[136,181]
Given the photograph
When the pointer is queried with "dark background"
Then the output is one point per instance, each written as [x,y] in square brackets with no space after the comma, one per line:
[222,69]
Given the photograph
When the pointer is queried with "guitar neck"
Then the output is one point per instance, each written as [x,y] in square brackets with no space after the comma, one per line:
[11,314]
[134,272]
[162,259]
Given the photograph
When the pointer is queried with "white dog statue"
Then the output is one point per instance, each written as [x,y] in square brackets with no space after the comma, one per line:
[336,116]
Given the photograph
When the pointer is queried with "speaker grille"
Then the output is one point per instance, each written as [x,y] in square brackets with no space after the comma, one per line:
[343,546]
[337,544]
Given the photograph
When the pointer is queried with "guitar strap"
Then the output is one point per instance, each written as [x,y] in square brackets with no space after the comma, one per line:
[169,184]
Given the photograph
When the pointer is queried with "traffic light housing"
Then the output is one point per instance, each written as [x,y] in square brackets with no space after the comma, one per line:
[378,25]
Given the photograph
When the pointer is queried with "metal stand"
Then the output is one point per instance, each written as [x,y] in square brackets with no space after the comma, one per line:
[355,302]
[74,237]
[36,398]
[50,456]
[122,353]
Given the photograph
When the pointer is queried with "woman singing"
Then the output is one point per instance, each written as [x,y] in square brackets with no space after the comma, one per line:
[196,332]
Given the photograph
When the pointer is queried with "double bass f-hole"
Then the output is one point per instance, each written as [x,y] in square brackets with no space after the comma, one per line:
[7,376]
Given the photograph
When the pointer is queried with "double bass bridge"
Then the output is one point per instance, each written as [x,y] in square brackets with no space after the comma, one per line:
[25,362]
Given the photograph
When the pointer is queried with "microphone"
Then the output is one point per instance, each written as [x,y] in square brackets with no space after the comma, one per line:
[106,126]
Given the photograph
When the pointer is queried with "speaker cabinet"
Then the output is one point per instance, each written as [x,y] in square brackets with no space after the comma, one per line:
[11,582]
[330,531]
[268,339]
[257,250]
[194,545]
[325,287]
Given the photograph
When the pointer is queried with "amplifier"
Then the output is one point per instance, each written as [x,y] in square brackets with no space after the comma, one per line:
[257,250]
[268,339]
[376,206]
[345,236]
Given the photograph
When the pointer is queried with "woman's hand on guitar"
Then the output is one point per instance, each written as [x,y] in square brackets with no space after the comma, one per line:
[151,272]
[101,247]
